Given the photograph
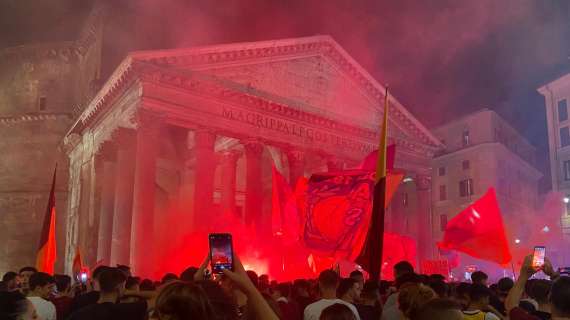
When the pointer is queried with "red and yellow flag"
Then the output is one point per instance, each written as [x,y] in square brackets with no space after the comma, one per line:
[46,254]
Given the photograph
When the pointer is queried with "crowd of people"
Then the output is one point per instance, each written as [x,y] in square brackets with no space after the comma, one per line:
[114,293]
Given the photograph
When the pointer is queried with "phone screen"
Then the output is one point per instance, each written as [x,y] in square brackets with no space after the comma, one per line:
[221,252]
[538,257]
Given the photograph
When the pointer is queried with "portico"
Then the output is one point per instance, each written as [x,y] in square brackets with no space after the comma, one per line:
[199,127]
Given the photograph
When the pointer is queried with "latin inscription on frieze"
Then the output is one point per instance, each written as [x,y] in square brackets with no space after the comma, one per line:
[294,129]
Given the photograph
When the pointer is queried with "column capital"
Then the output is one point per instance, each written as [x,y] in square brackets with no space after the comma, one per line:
[124,137]
[423,182]
[230,155]
[149,122]
[253,146]
[70,142]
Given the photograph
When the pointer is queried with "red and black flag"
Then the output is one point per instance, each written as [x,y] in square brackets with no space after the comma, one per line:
[370,258]
[47,249]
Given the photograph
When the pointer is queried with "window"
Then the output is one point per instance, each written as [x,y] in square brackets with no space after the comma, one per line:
[405,199]
[42,103]
[441,171]
[442,193]
[567,170]
[465,138]
[466,187]
[443,221]
[466,165]
[564,137]
[562,110]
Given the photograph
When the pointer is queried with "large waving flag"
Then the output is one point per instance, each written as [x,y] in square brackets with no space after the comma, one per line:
[479,231]
[285,213]
[46,254]
[370,257]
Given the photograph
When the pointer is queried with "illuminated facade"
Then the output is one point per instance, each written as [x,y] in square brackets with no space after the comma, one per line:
[199,128]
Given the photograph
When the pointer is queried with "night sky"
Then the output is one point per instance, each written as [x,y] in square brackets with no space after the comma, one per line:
[442,58]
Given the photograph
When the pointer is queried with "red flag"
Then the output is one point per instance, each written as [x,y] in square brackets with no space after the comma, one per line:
[285,214]
[369,163]
[479,231]
[77,266]
[46,254]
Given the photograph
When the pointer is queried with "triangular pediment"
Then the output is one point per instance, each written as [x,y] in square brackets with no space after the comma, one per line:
[313,74]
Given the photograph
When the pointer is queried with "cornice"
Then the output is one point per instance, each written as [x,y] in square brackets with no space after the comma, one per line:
[29,117]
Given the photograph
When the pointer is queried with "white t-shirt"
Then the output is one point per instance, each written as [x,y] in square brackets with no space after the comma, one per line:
[488,315]
[45,309]
[391,310]
[313,311]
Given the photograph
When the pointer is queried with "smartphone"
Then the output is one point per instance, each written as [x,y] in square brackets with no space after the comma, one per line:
[538,257]
[221,252]
[83,277]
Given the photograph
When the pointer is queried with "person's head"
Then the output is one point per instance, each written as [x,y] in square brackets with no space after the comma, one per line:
[436,277]
[348,290]
[407,278]
[95,275]
[504,286]
[328,281]
[412,297]
[479,277]
[125,269]
[337,311]
[25,274]
[15,306]
[41,284]
[282,290]
[370,294]
[132,283]
[560,297]
[540,290]
[263,282]
[188,274]
[358,276]
[301,288]
[63,283]
[440,288]
[253,277]
[112,282]
[479,295]
[10,280]
[147,285]
[444,309]
[220,300]
[462,294]
[401,268]
[169,277]
[183,300]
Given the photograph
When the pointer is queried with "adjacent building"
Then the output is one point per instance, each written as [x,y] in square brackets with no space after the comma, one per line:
[484,151]
[556,95]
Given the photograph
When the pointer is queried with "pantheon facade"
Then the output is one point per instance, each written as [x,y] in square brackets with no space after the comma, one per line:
[199,129]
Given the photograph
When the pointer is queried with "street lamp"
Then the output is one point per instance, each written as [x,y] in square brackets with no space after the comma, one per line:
[517,241]
[566,200]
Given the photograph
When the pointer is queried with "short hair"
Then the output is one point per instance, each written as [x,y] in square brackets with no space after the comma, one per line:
[436,277]
[169,277]
[184,300]
[284,288]
[97,271]
[505,284]
[412,297]
[403,267]
[328,279]
[356,273]
[110,279]
[560,296]
[478,277]
[407,278]
[540,290]
[478,292]
[441,288]
[124,268]
[301,284]
[147,285]
[131,282]
[188,274]
[12,305]
[9,276]
[371,289]
[437,309]
[40,279]
[462,289]
[344,286]
[253,277]
[337,311]
[28,269]
[62,282]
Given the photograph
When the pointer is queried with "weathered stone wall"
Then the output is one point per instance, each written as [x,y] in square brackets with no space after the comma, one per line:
[42,87]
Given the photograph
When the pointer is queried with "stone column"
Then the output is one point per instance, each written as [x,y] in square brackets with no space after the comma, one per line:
[122,208]
[253,185]
[205,156]
[229,163]
[296,165]
[186,193]
[107,159]
[142,234]
[425,241]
